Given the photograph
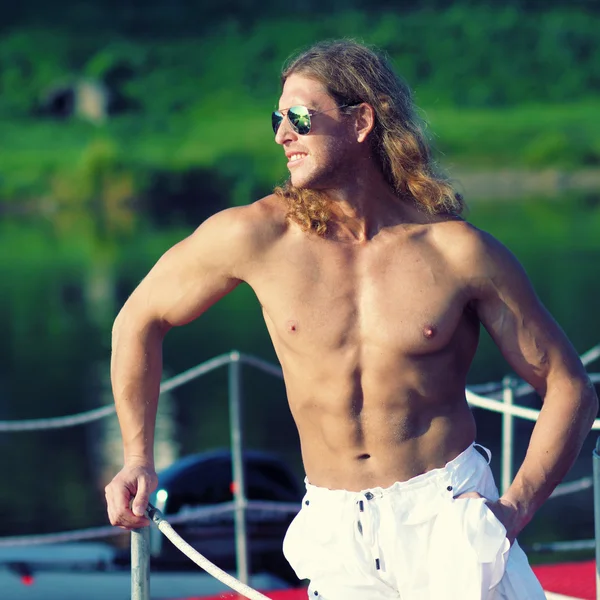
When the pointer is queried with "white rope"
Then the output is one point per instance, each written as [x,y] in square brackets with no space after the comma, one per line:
[494,389]
[525,388]
[529,414]
[164,527]
[60,537]
[258,363]
[283,507]
[205,513]
[586,358]
[487,388]
[591,355]
[105,411]
[194,372]
[570,546]
[58,422]
[497,386]
[572,487]
[197,514]
[223,359]
[202,513]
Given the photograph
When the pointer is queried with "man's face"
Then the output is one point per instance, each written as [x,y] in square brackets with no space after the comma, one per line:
[320,158]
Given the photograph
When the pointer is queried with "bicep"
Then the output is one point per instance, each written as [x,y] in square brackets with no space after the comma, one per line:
[190,277]
[527,335]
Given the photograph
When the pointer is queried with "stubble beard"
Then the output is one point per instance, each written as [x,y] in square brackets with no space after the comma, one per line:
[325,173]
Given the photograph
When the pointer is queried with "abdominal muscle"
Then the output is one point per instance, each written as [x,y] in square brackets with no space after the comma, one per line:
[358,437]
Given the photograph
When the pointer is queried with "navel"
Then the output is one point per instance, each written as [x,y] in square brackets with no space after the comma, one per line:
[429,331]
[364,456]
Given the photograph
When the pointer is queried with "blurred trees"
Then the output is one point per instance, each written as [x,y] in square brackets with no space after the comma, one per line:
[154,17]
[190,91]
[461,55]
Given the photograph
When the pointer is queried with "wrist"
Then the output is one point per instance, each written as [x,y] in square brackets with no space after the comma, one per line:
[138,460]
[521,511]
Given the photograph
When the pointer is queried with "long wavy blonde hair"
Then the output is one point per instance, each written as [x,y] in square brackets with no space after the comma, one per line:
[353,73]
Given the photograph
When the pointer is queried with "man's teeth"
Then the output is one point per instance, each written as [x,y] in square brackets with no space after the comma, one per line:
[294,157]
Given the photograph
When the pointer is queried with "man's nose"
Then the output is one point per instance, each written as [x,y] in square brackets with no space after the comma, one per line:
[285,133]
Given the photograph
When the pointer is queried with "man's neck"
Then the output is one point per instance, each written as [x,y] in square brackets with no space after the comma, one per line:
[360,210]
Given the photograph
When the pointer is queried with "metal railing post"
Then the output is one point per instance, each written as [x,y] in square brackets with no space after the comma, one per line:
[239,488]
[508,396]
[140,564]
[596,469]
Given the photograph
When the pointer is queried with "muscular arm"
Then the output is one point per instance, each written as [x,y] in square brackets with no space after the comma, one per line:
[540,353]
[185,282]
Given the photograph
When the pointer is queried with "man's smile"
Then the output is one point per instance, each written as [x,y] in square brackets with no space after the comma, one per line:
[295,158]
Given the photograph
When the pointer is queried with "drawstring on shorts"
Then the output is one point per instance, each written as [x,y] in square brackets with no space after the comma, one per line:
[487,452]
[367,523]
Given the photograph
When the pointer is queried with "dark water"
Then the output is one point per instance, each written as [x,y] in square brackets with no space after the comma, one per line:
[59,294]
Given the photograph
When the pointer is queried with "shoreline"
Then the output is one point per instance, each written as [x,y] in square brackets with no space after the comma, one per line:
[506,183]
[511,183]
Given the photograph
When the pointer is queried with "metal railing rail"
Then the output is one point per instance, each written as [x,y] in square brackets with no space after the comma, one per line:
[140,564]
[239,482]
[596,475]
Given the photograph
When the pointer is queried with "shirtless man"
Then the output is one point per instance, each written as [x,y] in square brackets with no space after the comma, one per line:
[373,289]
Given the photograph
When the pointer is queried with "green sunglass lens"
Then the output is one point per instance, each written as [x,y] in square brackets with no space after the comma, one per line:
[300,119]
[276,119]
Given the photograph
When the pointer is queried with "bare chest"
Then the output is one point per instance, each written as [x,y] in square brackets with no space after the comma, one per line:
[385,298]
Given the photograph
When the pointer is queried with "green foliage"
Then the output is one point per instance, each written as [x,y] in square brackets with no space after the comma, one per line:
[156,18]
[31,62]
[104,181]
[202,101]
[96,194]
[500,86]
[462,56]
[530,135]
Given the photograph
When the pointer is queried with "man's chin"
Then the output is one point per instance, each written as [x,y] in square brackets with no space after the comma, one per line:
[300,183]
[304,183]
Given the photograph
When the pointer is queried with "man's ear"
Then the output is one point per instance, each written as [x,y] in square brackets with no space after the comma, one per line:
[364,116]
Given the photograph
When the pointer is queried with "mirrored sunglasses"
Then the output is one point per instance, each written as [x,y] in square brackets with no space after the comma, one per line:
[299,118]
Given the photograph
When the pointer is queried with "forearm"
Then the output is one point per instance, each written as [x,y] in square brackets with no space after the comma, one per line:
[565,420]
[136,371]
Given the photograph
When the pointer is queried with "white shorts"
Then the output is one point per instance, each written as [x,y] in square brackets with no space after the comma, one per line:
[412,540]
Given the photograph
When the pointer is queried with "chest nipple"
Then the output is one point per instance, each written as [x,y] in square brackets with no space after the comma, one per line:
[292,326]
[429,331]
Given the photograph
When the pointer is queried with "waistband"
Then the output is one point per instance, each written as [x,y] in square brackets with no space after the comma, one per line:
[440,473]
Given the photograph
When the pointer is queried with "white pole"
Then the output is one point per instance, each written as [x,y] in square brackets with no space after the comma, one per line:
[596,471]
[507,435]
[239,489]
[140,564]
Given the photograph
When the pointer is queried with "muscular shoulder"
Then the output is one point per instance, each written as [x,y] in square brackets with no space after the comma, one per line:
[475,256]
[259,222]
[458,240]
[244,232]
